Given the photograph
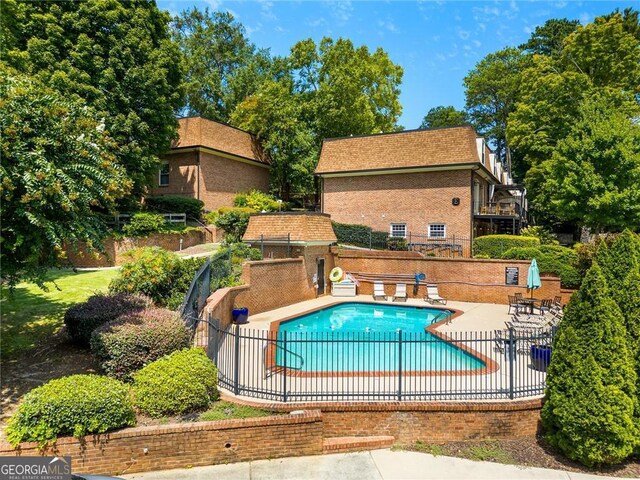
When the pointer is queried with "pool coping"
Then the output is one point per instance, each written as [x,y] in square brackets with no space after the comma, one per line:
[490,365]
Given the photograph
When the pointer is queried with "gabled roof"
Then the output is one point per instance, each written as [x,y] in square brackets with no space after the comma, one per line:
[399,150]
[303,227]
[202,132]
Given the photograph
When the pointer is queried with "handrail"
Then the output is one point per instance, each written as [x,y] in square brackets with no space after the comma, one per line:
[286,350]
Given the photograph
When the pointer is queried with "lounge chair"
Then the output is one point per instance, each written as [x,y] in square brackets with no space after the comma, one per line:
[433,296]
[378,291]
[401,292]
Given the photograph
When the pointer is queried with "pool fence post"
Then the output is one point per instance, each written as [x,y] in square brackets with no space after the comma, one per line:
[284,366]
[262,245]
[400,365]
[236,363]
[370,237]
[288,245]
[512,351]
[213,328]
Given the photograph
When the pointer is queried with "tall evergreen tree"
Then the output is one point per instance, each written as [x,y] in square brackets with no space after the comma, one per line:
[591,395]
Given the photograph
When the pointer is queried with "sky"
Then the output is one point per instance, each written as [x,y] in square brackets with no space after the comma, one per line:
[436,42]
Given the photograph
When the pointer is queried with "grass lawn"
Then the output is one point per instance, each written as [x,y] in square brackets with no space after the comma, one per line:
[222,410]
[30,314]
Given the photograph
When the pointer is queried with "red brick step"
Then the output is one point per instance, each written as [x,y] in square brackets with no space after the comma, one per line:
[356,444]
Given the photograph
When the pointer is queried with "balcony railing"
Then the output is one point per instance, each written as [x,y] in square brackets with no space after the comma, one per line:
[502,209]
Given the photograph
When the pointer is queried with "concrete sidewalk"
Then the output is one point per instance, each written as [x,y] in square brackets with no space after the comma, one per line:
[374,465]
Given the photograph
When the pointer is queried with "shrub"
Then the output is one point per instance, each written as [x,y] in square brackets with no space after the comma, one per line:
[181,382]
[234,223]
[496,245]
[553,259]
[77,405]
[82,319]
[257,201]
[142,224]
[132,341]
[175,204]
[359,235]
[619,258]
[591,382]
[157,273]
[541,233]
[397,243]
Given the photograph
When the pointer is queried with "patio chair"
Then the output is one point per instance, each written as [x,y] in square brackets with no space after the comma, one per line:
[433,296]
[514,303]
[401,292]
[545,305]
[557,301]
[378,291]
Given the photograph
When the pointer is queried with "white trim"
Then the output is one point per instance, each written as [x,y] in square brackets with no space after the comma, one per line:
[398,224]
[444,233]
[167,173]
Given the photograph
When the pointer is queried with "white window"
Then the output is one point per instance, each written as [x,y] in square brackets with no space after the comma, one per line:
[398,230]
[437,230]
[163,175]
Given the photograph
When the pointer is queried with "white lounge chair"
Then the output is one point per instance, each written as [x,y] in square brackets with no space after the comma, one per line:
[378,291]
[401,292]
[433,296]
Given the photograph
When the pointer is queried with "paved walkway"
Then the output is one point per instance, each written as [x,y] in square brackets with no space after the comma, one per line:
[374,465]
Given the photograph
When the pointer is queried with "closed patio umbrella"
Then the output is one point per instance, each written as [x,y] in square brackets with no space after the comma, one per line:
[533,277]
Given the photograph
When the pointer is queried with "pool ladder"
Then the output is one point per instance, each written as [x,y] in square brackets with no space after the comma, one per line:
[269,371]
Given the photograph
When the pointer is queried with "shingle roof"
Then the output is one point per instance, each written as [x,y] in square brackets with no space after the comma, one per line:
[415,148]
[303,227]
[201,132]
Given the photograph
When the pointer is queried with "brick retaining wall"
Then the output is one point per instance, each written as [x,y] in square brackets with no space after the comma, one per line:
[114,249]
[187,445]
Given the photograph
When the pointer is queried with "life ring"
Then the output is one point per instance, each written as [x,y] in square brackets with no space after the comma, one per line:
[336,274]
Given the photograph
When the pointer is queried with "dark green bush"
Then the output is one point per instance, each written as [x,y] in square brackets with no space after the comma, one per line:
[82,319]
[359,235]
[560,261]
[157,273]
[397,243]
[175,204]
[496,245]
[234,223]
[181,382]
[77,405]
[591,383]
[143,224]
[131,342]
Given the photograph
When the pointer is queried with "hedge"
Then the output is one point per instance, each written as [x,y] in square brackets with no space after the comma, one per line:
[175,204]
[77,405]
[359,235]
[82,319]
[179,383]
[560,261]
[143,224]
[495,245]
[131,342]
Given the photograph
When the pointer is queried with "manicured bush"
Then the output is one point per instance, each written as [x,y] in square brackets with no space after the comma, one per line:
[77,405]
[541,233]
[143,224]
[82,319]
[553,259]
[397,243]
[359,235]
[496,245]
[157,273]
[181,382]
[619,258]
[234,223]
[176,204]
[131,342]
[257,201]
[591,383]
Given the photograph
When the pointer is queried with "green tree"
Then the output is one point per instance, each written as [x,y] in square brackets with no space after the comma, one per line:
[58,171]
[492,90]
[549,38]
[593,175]
[118,56]
[443,117]
[591,382]
[221,65]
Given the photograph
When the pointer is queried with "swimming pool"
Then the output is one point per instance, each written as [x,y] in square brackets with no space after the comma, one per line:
[364,337]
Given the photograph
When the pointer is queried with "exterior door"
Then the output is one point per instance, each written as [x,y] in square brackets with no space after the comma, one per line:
[320,263]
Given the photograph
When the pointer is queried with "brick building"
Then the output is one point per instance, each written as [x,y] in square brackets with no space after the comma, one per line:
[436,183]
[212,162]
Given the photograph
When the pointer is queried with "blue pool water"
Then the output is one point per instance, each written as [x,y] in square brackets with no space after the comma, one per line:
[363,337]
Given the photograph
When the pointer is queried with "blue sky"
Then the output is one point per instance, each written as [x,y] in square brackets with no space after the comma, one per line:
[436,42]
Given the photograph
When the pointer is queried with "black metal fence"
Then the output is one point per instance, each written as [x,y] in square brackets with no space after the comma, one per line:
[453,246]
[206,280]
[369,366]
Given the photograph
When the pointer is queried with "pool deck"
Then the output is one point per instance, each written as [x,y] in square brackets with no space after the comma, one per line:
[476,317]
